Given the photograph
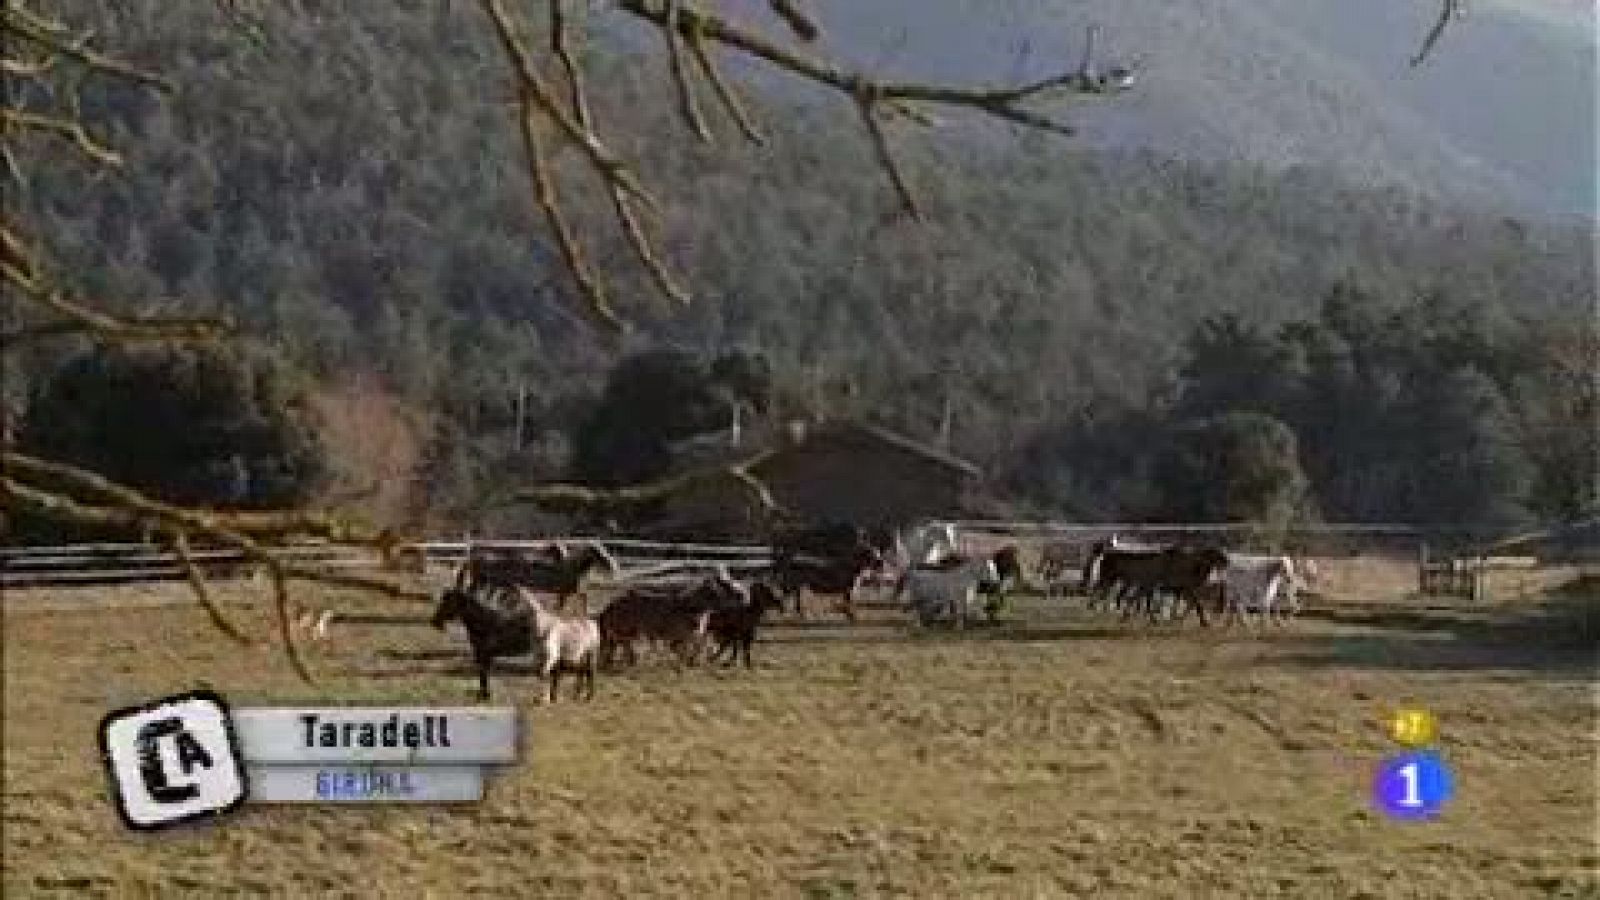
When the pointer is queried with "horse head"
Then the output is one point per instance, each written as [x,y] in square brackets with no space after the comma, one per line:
[764,597]
[452,605]
[727,590]
[987,572]
[1008,562]
[592,555]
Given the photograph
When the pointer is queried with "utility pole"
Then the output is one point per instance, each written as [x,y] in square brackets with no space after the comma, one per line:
[522,411]
[946,418]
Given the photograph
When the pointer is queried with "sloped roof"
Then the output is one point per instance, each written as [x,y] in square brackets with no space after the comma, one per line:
[1583,534]
[894,439]
[717,447]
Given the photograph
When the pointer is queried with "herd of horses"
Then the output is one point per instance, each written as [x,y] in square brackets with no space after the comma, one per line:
[497,594]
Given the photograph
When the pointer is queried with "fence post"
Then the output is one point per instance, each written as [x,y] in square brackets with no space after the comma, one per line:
[1422,567]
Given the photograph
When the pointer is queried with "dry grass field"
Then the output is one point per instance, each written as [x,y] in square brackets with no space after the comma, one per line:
[1068,757]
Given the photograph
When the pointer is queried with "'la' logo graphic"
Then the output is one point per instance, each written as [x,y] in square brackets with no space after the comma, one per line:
[173,761]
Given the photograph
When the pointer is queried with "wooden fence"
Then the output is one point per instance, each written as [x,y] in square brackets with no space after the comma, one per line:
[110,564]
[650,561]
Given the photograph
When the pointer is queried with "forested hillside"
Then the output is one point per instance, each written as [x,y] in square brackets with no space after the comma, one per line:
[349,181]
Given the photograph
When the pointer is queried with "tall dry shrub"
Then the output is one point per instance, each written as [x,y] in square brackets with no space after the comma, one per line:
[374,445]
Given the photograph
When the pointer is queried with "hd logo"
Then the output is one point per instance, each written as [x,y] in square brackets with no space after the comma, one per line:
[173,761]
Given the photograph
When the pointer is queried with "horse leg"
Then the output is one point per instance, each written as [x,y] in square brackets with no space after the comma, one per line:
[847,605]
[1191,596]
[484,662]
[552,674]
[1127,607]
[744,644]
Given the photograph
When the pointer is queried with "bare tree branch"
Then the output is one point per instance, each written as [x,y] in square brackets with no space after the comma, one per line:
[73,131]
[561,46]
[52,36]
[573,498]
[207,521]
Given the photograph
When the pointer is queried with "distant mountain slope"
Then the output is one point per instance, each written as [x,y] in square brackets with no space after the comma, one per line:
[1504,114]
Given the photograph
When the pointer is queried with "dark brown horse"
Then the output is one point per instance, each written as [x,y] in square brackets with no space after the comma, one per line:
[676,616]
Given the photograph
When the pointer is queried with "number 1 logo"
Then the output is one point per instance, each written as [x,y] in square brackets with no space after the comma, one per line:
[1413,786]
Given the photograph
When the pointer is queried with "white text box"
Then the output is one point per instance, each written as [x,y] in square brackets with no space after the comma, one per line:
[352,734]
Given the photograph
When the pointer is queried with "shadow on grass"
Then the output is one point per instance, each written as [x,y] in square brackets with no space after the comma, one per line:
[1556,638]
[461,668]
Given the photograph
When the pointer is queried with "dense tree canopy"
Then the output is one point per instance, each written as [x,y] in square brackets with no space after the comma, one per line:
[345,184]
[192,426]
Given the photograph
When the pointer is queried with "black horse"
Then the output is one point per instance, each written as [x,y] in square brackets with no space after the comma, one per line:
[1008,565]
[734,629]
[553,569]
[491,632]
[1105,568]
[1181,569]
[827,559]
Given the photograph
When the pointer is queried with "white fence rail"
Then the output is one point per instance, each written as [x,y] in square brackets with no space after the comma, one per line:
[638,560]
[106,564]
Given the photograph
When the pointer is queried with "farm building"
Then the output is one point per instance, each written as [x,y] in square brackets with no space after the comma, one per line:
[819,471]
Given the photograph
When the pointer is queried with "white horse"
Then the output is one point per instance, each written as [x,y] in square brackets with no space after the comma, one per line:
[569,644]
[949,594]
[1257,583]
[929,544]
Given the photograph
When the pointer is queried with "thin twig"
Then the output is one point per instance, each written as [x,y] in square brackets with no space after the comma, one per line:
[1448,9]
[632,227]
[197,583]
[724,91]
[561,47]
[795,17]
[687,104]
[866,103]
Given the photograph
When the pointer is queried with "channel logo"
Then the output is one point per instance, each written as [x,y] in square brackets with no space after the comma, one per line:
[189,755]
[173,761]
